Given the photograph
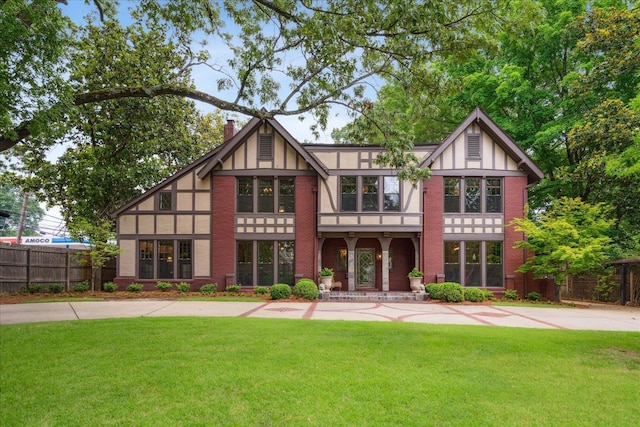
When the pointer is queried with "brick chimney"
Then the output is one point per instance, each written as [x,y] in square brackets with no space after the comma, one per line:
[229,129]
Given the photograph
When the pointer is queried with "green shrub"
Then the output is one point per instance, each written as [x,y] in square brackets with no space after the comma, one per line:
[511,294]
[209,288]
[534,296]
[280,291]
[164,286]
[134,287]
[435,290]
[488,295]
[109,287]
[306,288]
[183,287]
[452,292]
[55,288]
[261,290]
[81,287]
[234,289]
[474,295]
[34,288]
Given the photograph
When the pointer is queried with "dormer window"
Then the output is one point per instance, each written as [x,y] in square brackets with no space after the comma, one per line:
[265,146]
[473,146]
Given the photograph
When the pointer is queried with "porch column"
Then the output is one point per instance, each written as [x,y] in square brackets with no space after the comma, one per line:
[416,253]
[351,262]
[320,245]
[385,242]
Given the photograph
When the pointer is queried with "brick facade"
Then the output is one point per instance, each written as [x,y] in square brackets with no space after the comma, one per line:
[515,197]
[305,248]
[223,244]
[432,244]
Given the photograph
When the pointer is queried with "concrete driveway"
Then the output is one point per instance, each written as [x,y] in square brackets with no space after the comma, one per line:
[589,317]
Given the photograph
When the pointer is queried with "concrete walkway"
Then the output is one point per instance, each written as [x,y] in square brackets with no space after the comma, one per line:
[606,318]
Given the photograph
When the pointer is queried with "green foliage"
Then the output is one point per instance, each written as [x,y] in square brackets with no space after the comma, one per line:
[488,295]
[434,290]
[183,287]
[570,238]
[447,291]
[209,288]
[534,296]
[135,287]
[55,288]
[234,289]
[326,272]
[261,290]
[474,295]
[306,288]
[34,288]
[604,289]
[164,286]
[109,287]
[511,294]
[452,292]
[11,200]
[81,287]
[415,273]
[280,291]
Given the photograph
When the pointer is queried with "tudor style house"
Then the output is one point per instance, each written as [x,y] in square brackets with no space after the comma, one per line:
[262,208]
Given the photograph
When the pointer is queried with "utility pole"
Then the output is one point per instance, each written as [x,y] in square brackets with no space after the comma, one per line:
[23,215]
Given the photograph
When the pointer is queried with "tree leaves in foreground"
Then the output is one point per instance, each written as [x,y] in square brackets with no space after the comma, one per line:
[266,58]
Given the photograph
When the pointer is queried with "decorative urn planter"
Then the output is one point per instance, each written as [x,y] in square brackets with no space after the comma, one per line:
[326,279]
[415,280]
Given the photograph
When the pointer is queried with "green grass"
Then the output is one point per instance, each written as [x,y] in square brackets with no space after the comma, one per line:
[228,298]
[253,372]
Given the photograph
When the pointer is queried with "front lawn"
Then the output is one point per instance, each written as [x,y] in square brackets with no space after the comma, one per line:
[237,372]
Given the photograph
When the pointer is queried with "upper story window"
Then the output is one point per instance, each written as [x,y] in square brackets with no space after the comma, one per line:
[369,194]
[164,201]
[348,193]
[265,195]
[473,146]
[391,188]
[245,195]
[480,195]
[452,194]
[265,146]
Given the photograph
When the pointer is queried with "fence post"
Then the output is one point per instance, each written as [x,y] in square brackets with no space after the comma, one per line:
[28,267]
[67,274]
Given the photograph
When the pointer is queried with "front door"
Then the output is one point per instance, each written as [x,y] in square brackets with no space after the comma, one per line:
[365,268]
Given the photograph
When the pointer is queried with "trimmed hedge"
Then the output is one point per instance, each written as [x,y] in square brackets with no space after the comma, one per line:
[280,291]
[306,288]
[447,291]
[474,295]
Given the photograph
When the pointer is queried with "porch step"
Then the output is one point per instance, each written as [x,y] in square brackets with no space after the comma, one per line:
[372,296]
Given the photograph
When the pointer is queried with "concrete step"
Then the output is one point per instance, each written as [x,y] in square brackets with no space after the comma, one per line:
[372,296]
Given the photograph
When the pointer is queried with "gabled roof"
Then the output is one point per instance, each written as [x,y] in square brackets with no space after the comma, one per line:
[238,139]
[499,137]
[166,181]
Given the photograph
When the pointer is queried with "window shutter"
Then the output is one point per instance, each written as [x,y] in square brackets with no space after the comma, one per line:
[265,147]
[473,146]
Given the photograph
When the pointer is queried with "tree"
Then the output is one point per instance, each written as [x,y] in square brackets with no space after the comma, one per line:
[11,200]
[570,238]
[286,57]
[118,148]
[563,86]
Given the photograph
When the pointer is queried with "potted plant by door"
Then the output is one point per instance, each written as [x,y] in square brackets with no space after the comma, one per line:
[415,280]
[326,279]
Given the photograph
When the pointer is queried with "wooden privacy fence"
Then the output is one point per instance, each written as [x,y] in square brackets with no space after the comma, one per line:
[26,265]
